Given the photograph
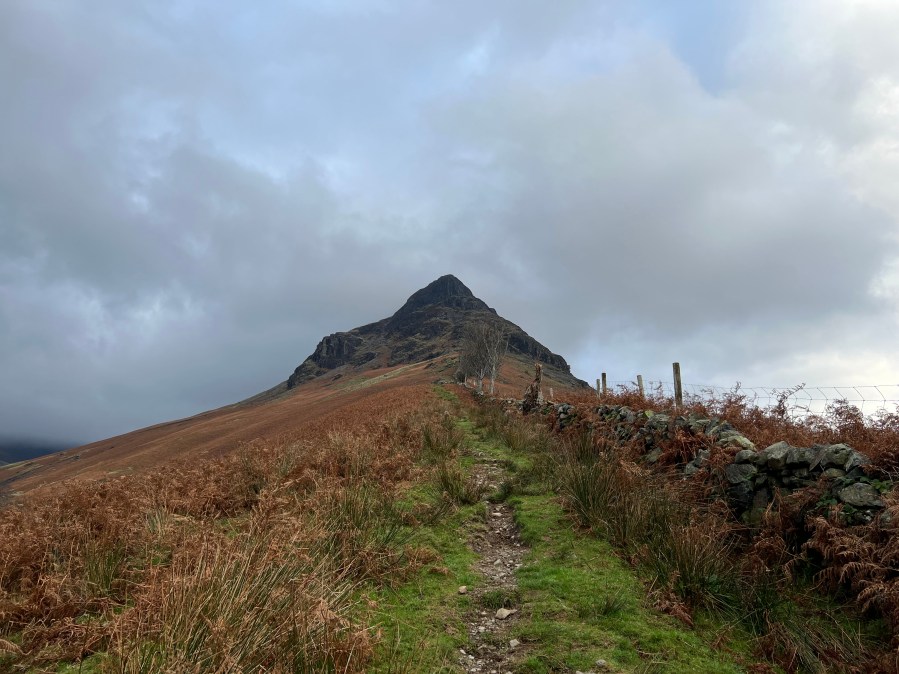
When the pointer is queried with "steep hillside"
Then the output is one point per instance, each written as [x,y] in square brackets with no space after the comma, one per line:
[414,346]
[308,409]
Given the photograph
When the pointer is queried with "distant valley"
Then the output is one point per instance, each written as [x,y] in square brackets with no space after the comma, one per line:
[13,450]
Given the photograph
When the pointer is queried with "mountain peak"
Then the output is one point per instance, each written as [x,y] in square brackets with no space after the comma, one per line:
[432,322]
[448,284]
[445,291]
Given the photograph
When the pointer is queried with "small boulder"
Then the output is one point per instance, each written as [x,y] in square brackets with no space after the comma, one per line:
[735,439]
[702,457]
[746,456]
[698,426]
[741,495]
[775,456]
[653,456]
[658,422]
[860,495]
[740,472]
[855,460]
[801,456]
[834,456]
[718,428]
[504,613]
[760,501]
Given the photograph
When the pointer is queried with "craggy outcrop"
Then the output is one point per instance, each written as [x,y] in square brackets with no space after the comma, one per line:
[431,323]
[333,351]
[521,342]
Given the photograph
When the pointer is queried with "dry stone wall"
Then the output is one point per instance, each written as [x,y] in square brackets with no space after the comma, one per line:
[753,477]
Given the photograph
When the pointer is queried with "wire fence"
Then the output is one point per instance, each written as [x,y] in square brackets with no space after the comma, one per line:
[799,401]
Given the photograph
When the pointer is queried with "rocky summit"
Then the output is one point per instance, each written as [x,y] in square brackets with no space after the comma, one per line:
[430,324]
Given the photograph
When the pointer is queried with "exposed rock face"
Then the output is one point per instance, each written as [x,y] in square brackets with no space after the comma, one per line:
[333,351]
[523,343]
[431,323]
[447,291]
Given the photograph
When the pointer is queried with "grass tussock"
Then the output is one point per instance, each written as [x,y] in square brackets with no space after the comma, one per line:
[442,440]
[244,604]
[647,517]
[456,486]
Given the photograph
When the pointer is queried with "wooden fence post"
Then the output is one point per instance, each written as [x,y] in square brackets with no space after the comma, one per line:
[605,388]
[678,388]
[640,385]
[598,389]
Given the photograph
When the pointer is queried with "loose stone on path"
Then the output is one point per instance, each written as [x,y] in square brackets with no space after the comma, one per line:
[492,646]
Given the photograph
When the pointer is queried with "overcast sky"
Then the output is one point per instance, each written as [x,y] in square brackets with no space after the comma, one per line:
[192,194]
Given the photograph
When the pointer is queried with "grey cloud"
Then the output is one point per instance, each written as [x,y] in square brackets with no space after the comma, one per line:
[190,197]
[673,208]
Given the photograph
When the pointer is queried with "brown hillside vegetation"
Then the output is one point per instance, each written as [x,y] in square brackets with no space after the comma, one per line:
[246,562]
[170,535]
[268,557]
[312,409]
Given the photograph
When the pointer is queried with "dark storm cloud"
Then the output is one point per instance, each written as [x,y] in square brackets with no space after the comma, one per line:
[191,197]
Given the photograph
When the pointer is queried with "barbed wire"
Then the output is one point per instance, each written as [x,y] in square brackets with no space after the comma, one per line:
[870,399]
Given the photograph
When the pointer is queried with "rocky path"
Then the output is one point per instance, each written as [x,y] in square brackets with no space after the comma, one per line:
[496,603]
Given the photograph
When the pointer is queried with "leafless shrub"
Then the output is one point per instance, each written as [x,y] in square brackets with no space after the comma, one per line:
[483,349]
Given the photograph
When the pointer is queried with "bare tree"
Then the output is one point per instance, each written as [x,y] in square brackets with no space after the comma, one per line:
[483,349]
[472,363]
[497,343]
